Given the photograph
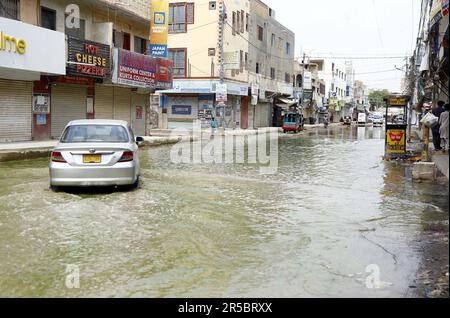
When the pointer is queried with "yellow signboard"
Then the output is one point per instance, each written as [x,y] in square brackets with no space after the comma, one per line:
[396,141]
[159,28]
[398,101]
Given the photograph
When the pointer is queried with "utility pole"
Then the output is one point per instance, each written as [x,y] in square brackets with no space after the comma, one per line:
[220,44]
[222,17]
[303,81]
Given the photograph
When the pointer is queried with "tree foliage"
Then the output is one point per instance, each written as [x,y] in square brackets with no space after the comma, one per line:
[376,98]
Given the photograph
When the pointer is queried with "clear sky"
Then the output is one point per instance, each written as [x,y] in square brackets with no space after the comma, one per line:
[349,28]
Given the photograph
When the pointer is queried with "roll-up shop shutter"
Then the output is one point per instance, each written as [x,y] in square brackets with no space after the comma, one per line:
[67,103]
[122,104]
[104,102]
[15,110]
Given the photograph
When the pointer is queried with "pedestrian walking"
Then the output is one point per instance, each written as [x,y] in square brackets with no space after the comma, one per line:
[213,125]
[436,134]
[443,130]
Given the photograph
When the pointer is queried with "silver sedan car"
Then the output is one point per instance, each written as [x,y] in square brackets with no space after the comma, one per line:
[95,153]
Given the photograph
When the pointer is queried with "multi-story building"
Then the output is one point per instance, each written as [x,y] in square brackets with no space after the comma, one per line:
[361,97]
[257,56]
[194,46]
[271,63]
[105,72]
[309,89]
[334,73]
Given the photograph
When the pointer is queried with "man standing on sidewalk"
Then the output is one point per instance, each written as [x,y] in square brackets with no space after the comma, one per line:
[436,134]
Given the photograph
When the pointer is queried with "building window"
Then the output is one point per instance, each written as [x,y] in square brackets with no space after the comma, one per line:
[272,40]
[9,9]
[126,41]
[140,45]
[190,13]
[78,33]
[287,77]
[247,21]
[178,56]
[211,52]
[48,18]
[246,61]
[177,18]
[234,23]
[260,33]
[272,73]
[238,22]
[242,21]
[257,69]
[212,5]
[288,48]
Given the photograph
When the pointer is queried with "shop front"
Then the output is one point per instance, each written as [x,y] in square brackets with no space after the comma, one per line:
[24,56]
[135,77]
[73,97]
[203,100]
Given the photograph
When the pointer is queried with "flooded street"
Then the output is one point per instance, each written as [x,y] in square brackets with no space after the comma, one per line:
[333,210]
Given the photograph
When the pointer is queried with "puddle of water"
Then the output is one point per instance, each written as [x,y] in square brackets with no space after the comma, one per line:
[333,208]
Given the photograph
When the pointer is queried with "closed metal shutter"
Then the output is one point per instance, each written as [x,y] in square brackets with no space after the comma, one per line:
[139,108]
[104,102]
[122,104]
[15,110]
[67,103]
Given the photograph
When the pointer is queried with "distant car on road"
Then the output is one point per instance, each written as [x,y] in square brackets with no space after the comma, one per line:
[378,119]
[362,119]
[96,153]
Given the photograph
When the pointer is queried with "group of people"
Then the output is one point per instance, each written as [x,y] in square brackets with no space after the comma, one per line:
[440,131]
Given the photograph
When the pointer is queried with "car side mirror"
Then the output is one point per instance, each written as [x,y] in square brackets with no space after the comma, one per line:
[139,140]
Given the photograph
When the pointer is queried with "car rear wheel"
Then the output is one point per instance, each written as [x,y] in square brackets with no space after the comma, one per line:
[55,188]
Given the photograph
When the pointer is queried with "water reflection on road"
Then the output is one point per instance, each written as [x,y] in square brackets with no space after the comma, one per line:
[333,208]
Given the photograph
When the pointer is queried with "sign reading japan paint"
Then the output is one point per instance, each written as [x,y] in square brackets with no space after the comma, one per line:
[138,70]
[87,58]
[22,47]
[159,28]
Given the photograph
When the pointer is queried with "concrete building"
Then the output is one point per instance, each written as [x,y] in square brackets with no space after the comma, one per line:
[194,37]
[334,73]
[270,63]
[361,97]
[309,89]
[108,38]
[258,58]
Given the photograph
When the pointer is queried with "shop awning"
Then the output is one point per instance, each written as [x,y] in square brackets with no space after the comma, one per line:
[285,103]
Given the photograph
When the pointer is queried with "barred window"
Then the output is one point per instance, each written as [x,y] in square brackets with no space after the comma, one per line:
[9,9]
[178,56]
[177,18]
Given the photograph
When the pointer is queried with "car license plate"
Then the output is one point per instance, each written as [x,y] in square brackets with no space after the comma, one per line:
[92,158]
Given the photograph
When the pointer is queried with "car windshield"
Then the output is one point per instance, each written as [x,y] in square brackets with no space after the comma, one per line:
[95,133]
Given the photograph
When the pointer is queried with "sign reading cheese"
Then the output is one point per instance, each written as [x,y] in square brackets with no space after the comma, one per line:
[11,44]
[87,58]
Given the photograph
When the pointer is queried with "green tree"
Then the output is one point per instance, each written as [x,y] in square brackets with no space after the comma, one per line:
[376,99]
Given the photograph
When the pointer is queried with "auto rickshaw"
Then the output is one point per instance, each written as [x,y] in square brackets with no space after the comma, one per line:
[293,122]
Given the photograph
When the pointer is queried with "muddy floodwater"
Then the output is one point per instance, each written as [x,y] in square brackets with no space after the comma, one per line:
[333,219]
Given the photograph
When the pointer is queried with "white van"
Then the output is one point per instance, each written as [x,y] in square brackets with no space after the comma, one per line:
[362,119]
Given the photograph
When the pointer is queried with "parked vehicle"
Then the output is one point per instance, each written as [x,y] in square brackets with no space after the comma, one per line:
[293,122]
[96,153]
[347,121]
[378,120]
[362,119]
